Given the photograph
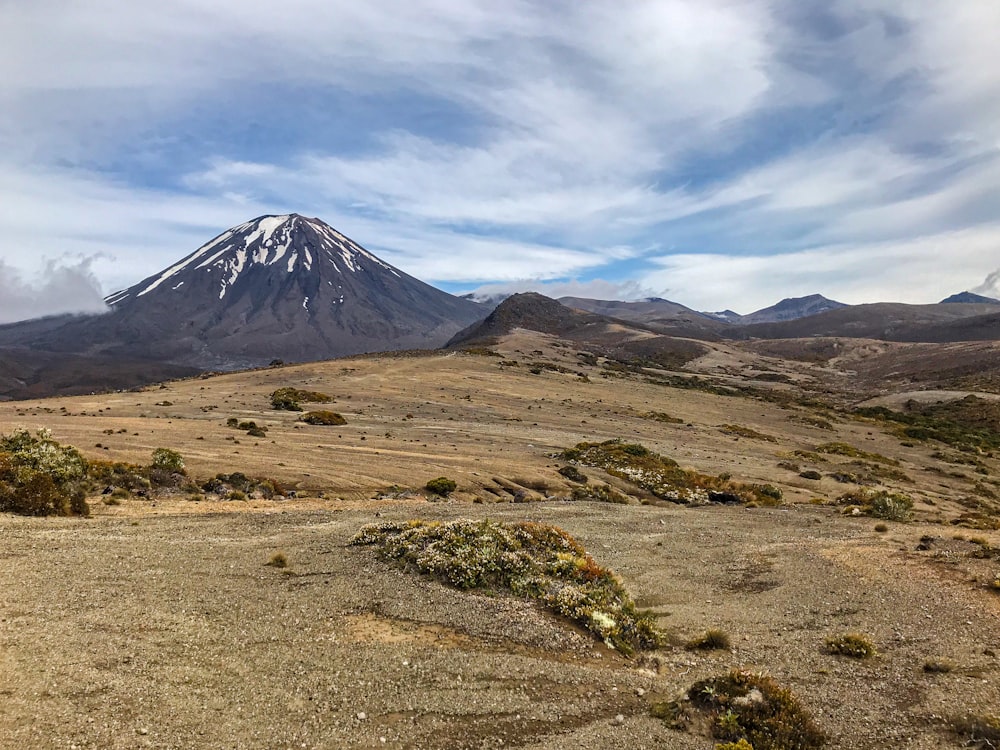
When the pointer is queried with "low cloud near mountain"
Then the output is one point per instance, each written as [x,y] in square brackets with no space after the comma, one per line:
[63,287]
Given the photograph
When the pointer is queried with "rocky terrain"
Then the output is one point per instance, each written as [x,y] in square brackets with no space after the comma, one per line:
[189,619]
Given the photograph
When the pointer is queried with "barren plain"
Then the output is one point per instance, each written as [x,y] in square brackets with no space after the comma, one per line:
[157,621]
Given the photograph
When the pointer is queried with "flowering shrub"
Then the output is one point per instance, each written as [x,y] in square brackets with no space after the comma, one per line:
[532,560]
[40,477]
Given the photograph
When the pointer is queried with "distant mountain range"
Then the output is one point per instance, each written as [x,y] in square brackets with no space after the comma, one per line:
[294,289]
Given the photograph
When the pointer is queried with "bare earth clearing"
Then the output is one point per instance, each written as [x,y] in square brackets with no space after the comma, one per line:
[159,624]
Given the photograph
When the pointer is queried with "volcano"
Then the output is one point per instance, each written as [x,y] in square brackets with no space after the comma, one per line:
[286,288]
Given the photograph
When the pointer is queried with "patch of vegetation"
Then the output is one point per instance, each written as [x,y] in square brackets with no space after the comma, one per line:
[693,383]
[573,474]
[872,471]
[853,645]
[969,424]
[482,351]
[119,475]
[167,459]
[441,486]
[249,426]
[747,432]
[659,416]
[323,417]
[845,449]
[811,474]
[664,477]
[978,731]
[601,493]
[889,506]
[278,560]
[40,477]
[291,399]
[530,560]
[710,640]
[238,486]
[812,421]
[937,666]
[752,708]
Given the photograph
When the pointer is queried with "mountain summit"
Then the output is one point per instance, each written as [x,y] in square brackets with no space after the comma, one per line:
[277,287]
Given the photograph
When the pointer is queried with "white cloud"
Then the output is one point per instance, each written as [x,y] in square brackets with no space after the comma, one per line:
[591,289]
[911,272]
[593,133]
[65,286]
[990,286]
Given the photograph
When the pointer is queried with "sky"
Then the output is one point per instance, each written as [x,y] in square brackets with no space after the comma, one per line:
[718,153]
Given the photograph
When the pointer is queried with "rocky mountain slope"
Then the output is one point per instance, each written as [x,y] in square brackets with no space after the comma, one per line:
[278,287]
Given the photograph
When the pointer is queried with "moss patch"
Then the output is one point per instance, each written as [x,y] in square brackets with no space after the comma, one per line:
[530,560]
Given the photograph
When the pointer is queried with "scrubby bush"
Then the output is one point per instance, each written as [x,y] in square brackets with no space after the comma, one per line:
[40,477]
[441,486]
[854,645]
[751,708]
[526,559]
[323,417]
[291,399]
[889,506]
[168,460]
[228,485]
[664,477]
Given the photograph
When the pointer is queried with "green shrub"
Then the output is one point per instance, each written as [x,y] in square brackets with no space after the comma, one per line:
[323,417]
[40,477]
[290,399]
[526,559]
[889,506]
[854,645]
[753,709]
[441,486]
[166,459]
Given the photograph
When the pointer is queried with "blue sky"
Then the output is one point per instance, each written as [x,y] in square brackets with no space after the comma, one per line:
[720,153]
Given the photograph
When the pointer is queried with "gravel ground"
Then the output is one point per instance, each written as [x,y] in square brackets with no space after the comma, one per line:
[170,631]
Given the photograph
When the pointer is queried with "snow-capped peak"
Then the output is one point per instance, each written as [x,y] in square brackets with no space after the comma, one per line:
[288,242]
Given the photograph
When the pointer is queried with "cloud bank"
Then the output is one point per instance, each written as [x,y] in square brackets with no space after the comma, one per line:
[731,153]
[64,287]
